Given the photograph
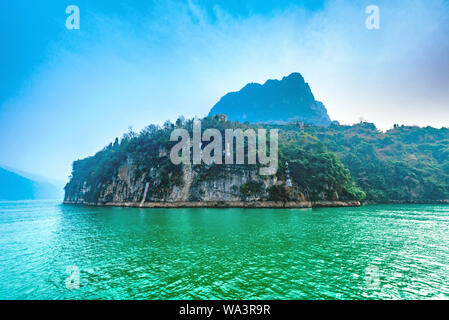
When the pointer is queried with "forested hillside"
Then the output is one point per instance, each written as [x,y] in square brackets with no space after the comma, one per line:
[140,158]
[359,162]
[402,164]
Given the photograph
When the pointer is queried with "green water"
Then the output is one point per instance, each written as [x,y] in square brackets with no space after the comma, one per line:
[382,251]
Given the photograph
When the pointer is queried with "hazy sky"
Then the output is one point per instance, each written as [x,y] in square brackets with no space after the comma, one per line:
[64,94]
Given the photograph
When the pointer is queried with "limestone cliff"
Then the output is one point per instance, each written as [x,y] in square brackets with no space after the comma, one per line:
[186,184]
[192,186]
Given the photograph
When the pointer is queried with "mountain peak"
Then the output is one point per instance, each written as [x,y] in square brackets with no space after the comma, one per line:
[294,76]
[276,101]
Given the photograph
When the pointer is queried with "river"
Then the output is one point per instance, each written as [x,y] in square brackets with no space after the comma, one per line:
[54,251]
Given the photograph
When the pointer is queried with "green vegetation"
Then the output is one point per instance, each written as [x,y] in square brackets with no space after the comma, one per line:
[251,188]
[359,162]
[402,164]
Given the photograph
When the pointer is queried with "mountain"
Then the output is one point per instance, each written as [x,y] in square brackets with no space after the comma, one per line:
[17,187]
[320,163]
[276,101]
[137,171]
[333,165]
[59,184]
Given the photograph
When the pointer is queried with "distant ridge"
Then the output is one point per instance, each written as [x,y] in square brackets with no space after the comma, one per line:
[17,187]
[276,101]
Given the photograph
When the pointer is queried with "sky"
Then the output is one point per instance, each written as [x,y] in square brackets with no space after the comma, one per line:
[65,94]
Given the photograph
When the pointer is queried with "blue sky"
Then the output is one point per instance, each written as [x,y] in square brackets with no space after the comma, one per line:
[64,94]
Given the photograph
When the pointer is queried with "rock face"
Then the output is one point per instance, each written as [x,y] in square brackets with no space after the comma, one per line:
[287,100]
[189,183]
[191,186]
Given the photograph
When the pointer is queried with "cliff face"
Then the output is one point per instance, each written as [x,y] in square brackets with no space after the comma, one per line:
[193,186]
[184,183]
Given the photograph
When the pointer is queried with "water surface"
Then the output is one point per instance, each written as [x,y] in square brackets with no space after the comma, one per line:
[377,251]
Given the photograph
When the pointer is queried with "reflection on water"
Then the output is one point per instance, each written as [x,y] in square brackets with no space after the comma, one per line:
[388,251]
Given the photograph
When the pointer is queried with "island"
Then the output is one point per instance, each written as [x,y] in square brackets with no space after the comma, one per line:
[320,162]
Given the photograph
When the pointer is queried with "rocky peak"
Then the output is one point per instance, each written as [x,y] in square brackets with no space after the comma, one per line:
[276,101]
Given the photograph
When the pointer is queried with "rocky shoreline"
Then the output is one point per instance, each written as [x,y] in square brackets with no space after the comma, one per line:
[248,204]
[224,204]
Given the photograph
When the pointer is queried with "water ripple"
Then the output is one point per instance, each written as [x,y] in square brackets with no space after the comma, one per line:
[372,252]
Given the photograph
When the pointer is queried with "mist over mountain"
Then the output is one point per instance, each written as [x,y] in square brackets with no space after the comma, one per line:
[276,101]
[17,187]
